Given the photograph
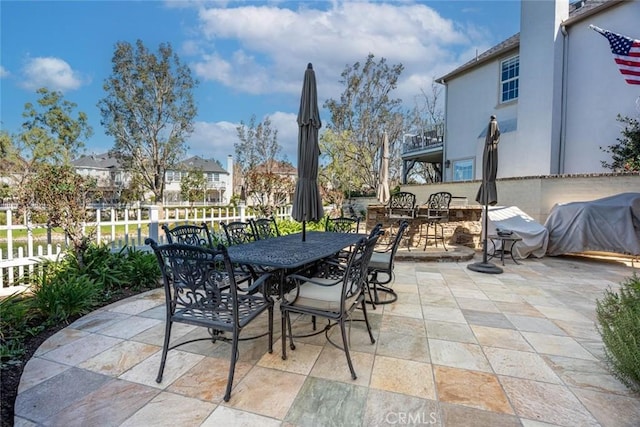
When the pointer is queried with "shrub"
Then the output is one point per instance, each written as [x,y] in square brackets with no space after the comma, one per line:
[619,325]
[288,226]
[62,295]
[106,268]
[142,271]
[15,316]
[67,290]
[625,155]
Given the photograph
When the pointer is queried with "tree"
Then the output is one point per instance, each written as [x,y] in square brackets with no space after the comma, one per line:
[134,191]
[426,116]
[40,159]
[257,157]
[364,112]
[626,153]
[149,110]
[50,133]
[64,195]
[193,186]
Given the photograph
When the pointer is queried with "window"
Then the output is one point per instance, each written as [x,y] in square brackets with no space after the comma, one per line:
[509,73]
[463,170]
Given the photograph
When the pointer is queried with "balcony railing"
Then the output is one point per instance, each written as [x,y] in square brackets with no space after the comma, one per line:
[417,143]
[431,138]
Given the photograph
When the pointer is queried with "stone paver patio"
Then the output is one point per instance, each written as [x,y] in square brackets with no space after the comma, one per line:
[458,348]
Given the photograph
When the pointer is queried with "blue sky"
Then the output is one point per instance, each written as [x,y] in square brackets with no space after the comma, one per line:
[249,57]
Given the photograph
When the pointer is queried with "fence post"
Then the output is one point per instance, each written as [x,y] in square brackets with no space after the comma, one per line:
[243,212]
[153,222]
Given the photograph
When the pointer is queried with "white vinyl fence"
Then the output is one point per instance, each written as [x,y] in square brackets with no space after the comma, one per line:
[21,256]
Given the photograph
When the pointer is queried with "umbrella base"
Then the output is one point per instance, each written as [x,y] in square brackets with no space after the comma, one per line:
[485,267]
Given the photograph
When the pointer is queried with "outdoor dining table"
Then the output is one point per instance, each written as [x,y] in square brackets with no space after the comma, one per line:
[289,253]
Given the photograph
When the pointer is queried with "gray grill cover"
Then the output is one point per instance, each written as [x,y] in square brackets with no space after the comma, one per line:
[611,224]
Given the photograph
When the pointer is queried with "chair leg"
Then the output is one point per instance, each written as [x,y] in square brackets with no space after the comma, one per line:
[165,350]
[292,346]
[377,287]
[232,367]
[426,237]
[366,321]
[283,317]
[271,329]
[442,237]
[371,299]
[346,349]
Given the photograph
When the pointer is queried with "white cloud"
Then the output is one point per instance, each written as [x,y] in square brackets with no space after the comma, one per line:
[53,73]
[3,72]
[213,140]
[271,45]
[287,126]
[217,140]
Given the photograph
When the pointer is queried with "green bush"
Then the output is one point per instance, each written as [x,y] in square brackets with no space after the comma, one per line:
[63,295]
[142,271]
[106,268]
[619,325]
[289,226]
[15,317]
[66,290]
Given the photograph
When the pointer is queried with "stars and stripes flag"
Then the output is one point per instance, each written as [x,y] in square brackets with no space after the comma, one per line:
[626,53]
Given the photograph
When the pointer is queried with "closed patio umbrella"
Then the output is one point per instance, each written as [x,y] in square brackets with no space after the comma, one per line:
[489,165]
[487,193]
[383,176]
[307,203]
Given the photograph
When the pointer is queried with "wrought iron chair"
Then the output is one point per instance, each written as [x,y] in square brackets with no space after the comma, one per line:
[189,234]
[376,230]
[333,294]
[201,290]
[435,213]
[382,263]
[402,206]
[239,232]
[199,235]
[342,225]
[265,228]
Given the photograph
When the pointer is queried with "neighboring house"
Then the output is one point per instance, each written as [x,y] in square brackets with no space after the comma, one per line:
[554,88]
[219,181]
[282,189]
[112,178]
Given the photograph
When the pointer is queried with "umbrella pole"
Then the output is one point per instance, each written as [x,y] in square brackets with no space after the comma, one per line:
[304,231]
[484,231]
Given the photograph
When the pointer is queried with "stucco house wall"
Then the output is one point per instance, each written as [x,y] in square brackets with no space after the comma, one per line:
[569,96]
[467,120]
[536,195]
[596,91]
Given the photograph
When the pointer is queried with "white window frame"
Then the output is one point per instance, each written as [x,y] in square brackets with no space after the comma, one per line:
[468,162]
[509,84]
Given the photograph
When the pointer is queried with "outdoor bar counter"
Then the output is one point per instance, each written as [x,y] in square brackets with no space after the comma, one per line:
[463,228]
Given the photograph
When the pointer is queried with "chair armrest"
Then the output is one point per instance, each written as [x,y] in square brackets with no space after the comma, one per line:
[301,279]
[257,284]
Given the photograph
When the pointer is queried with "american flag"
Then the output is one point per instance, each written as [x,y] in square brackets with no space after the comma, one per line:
[626,53]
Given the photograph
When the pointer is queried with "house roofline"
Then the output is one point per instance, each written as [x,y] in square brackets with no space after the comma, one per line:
[508,45]
[592,11]
[513,42]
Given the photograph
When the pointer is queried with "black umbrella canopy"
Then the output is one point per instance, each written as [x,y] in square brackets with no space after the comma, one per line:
[307,203]
[487,193]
